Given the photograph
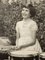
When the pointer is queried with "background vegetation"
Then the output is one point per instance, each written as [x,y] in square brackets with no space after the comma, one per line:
[10,14]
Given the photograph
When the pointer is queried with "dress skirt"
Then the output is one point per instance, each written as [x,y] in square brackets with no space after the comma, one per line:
[36,47]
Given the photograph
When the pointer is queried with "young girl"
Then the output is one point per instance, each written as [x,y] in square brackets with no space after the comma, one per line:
[26,31]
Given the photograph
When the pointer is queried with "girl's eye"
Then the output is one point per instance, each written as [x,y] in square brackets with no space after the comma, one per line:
[26,10]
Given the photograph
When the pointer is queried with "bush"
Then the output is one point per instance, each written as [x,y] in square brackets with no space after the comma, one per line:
[40,19]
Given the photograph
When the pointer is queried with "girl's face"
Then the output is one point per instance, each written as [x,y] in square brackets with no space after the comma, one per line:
[25,13]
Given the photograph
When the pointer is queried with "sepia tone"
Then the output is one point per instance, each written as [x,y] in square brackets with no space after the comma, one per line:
[10,14]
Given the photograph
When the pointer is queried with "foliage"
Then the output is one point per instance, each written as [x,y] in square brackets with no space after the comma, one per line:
[8,19]
[10,14]
[40,16]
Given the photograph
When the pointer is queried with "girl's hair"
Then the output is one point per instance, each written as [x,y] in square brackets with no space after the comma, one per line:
[31,8]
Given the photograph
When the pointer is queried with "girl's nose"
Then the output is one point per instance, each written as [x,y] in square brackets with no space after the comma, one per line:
[23,12]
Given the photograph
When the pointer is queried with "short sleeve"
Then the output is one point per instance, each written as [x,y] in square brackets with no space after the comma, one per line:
[34,26]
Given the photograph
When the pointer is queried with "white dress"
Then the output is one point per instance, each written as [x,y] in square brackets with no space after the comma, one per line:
[27,31]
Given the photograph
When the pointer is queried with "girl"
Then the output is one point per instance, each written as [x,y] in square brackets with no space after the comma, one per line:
[26,31]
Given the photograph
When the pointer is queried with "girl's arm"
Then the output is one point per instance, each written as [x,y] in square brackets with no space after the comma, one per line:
[17,38]
[17,35]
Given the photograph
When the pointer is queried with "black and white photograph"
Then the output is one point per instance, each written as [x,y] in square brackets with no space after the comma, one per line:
[22,29]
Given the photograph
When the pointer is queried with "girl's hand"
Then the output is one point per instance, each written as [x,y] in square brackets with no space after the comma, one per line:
[17,48]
